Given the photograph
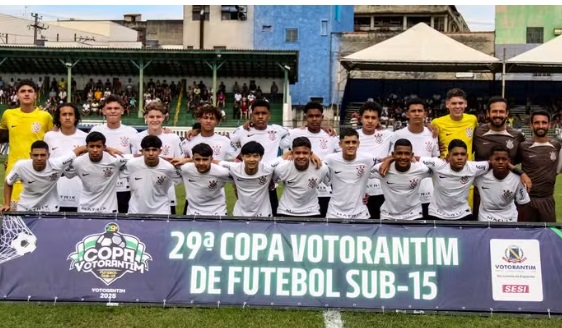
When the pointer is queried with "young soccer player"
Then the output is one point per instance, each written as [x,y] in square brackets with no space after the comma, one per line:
[300,193]
[39,176]
[204,182]
[452,181]
[376,144]
[99,173]
[120,137]
[401,183]
[61,142]
[252,178]
[150,179]
[349,172]
[154,114]
[499,188]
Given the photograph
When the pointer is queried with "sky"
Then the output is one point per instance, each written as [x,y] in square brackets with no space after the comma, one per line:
[478,17]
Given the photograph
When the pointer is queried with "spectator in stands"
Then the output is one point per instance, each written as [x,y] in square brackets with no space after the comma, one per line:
[221,99]
[62,95]
[258,93]
[62,83]
[273,91]
[235,88]
[108,85]
[222,87]
[244,89]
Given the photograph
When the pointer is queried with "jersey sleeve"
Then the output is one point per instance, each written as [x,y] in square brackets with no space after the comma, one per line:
[14,174]
[185,148]
[435,152]
[431,162]
[281,171]
[285,142]
[521,195]
[135,144]
[178,152]
[63,162]
[479,168]
[375,173]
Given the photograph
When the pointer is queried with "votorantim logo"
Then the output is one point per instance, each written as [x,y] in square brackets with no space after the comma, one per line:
[109,255]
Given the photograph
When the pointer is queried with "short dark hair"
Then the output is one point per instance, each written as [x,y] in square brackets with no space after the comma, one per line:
[456,92]
[95,136]
[56,116]
[414,101]
[372,106]
[261,103]
[210,110]
[202,149]
[403,142]
[499,147]
[496,99]
[151,142]
[252,147]
[348,132]
[457,143]
[27,82]
[540,112]
[113,98]
[301,142]
[313,105]
[39,144]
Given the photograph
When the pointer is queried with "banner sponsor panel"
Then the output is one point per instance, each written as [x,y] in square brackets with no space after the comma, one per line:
[272,263]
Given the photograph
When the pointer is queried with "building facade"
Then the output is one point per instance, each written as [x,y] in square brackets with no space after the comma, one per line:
[397,18]
[522,28]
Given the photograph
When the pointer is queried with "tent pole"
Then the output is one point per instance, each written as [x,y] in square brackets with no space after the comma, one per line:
[503,74]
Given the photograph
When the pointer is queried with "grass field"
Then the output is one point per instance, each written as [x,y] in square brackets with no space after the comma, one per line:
[99,315]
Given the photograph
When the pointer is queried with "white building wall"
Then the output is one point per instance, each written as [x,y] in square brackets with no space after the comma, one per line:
[232,34]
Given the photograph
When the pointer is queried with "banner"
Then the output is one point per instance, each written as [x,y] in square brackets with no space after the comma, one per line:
[273,263]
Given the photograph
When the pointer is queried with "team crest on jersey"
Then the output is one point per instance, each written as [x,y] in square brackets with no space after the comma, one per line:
[360,170]
[378,138]
[213,184]
[429,146]
[509,144]
[107,172]
[414,183]
[36,127]
[262,180]
[507,195]
[272,135]
[124,141]
[216,150]
[312,183]
[552,156]
[469,132]
[165,149]
[53,176]
[464,180]
[160,180]
[323,143]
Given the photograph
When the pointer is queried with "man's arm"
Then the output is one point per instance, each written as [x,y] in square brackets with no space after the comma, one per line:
[4,136]
[7,197]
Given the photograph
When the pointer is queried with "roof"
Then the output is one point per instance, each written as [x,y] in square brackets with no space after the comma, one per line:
[167,62]
[421,48]
[544,58]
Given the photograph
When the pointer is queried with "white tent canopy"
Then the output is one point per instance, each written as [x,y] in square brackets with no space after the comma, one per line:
[421,48]
[544,58]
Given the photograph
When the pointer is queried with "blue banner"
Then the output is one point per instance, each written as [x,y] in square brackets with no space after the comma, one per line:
[273,263]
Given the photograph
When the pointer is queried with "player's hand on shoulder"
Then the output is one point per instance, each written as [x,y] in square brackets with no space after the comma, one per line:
[288,155]
[316,161]
[167,130]
[178,161]
[247,125]
[114,152]
[191,133]
[434,130]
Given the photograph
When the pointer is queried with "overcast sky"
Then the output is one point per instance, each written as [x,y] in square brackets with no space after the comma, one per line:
[478,18]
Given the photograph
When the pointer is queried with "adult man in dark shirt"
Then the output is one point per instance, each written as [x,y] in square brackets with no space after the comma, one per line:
[496,132]
[540,160]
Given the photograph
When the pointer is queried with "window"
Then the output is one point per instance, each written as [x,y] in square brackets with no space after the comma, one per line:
[324,28]
[267,28]
[535,34]
[439,24]
[196,12]
[362,23]
[291,35]
[219,47]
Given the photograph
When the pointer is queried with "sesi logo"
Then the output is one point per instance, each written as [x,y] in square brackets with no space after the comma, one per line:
[519,289]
